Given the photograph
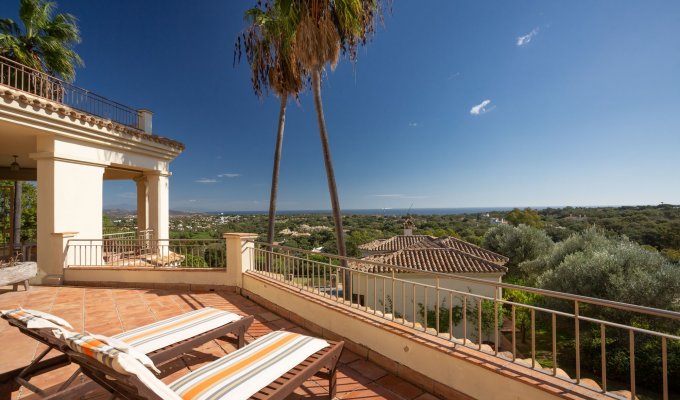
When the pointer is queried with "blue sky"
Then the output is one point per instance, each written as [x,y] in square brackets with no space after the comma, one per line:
[453,104]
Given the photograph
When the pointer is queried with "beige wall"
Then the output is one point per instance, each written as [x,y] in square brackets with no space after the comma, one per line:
[196,276]
[465,376]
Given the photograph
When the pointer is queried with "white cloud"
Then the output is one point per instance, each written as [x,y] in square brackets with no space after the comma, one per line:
[128,195]
[413,124]
[525,39]
[228,175]
[191,200]
[205,180]
[453,76]
[481,108]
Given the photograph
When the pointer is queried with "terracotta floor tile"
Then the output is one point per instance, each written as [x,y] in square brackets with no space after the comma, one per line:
[368,369]
[427,396]
[111,310]
[399,386]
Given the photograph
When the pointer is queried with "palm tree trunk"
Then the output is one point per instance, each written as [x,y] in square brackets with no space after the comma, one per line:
[17,216]
[275,172]
[330,175]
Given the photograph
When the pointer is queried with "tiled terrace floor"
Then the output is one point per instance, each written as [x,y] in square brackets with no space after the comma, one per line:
[111,311]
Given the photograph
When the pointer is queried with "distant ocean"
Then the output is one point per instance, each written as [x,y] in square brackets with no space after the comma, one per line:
[387,211]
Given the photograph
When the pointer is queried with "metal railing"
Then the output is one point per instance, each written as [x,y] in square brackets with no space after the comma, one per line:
[37,83]
[472,312]
[146,252]
[129,234]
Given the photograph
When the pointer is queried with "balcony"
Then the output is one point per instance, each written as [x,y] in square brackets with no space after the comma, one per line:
[429,336]
[70,140]
[37,83]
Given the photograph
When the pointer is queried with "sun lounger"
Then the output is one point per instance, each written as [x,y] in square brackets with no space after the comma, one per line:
[271,367]
[160,341]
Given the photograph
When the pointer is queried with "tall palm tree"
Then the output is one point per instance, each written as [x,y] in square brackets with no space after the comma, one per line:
[43,41]
[267,43]
[324,28]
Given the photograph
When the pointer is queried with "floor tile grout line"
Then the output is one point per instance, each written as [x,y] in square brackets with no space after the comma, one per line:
[148,306]
[83,308]
[115,307]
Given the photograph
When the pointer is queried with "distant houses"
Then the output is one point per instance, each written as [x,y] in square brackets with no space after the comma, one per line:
[413,258]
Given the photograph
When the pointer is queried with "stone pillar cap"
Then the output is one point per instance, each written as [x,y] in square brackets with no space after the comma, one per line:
[239,235]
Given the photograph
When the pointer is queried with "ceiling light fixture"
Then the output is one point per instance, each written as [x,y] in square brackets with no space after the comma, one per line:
[14,166]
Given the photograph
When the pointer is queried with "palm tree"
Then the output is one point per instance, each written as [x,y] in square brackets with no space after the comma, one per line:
[45,42]
[267,43]
[324,28]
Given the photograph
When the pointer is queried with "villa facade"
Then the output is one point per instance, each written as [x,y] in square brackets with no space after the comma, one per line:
[70,141]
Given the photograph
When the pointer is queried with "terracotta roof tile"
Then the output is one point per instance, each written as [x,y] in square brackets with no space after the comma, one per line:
[402,242]
[446,260]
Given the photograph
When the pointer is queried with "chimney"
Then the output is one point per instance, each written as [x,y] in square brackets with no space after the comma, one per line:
[408,227]
[144,119]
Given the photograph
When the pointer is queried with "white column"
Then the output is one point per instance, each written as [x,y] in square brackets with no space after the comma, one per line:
[69,205]
[159,203]
[142,203]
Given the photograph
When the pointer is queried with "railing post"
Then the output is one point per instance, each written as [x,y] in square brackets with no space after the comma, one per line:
[240,248]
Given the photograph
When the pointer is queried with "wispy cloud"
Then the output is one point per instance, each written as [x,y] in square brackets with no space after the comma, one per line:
[399,196]
[228,175]
[526,39]
[481,108]
[413,124]
[453,76]
[205,180]
[128,195]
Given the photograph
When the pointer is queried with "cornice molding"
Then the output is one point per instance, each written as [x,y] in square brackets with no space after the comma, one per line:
[49,119]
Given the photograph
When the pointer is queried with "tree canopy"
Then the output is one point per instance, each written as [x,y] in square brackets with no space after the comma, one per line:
[43,41]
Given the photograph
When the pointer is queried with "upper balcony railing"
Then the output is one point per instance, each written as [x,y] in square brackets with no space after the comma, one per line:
[37,83]
[583,340]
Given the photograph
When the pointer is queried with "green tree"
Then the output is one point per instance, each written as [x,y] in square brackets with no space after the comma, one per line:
[267,43]
[591,263]
[519,244]
[42,41]
[527,217]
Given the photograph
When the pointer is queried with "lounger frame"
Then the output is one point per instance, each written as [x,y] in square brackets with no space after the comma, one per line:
[21,376]
[323,363]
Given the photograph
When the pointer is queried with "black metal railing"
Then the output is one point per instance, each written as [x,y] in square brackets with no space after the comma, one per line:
[37,83]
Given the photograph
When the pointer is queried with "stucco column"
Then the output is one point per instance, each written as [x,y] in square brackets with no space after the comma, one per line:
[142,203]
[69,200]
[159,207]
[239,256]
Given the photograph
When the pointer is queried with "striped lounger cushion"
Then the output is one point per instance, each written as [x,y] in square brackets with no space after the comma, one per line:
[34,319]
[97,349]
[169,331]
[244,372]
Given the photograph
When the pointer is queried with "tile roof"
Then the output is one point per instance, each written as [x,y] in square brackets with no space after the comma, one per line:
[441,259]
[10,94]
[401,242]
[470,248]
[394,243]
